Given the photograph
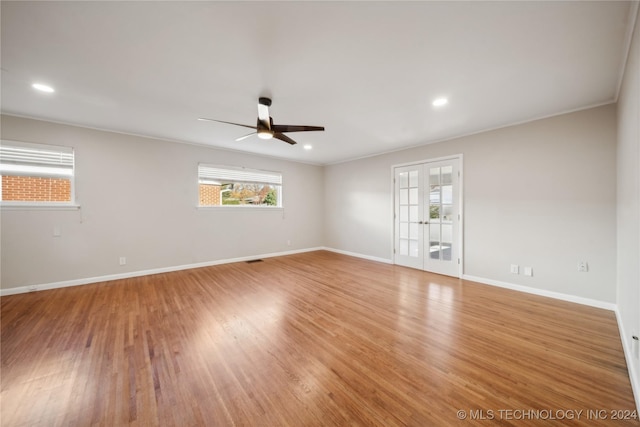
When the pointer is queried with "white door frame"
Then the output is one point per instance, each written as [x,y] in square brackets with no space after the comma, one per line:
[460,239]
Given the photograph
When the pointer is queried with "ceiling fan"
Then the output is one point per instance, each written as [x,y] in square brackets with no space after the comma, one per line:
[265,129]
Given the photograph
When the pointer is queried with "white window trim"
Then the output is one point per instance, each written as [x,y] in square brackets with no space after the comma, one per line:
[44,206]
[240,170]
[242,207]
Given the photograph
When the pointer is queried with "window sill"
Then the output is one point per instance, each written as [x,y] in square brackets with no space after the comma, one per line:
[39,207]
[240,207]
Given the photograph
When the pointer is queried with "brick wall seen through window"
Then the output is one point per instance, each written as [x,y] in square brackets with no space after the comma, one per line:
[210,195]
[35,189]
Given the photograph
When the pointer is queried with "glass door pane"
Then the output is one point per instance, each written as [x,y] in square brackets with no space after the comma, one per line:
[403,226]
[441,230]
[408,216]
[435,209]
[446,219]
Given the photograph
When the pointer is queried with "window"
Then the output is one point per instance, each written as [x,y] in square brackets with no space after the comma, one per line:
[36,174]
[230,186]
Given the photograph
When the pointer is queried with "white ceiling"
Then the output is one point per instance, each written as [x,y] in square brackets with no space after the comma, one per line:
[367,71]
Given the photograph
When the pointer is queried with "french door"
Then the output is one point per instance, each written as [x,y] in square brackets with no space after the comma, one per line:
[427,216]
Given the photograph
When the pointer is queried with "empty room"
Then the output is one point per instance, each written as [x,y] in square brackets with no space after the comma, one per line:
[320,213]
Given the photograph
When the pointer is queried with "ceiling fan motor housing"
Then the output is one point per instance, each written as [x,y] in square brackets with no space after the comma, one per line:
[260,125]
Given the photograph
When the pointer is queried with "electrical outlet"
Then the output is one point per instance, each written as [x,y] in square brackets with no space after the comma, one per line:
[515,269]
[123,260]
[528,271]
[56,231]
[288,242]
[583,267]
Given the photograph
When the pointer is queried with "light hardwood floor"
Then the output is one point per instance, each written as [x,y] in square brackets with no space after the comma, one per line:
[314,339]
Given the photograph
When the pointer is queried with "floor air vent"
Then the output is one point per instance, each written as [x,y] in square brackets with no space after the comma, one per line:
[253,261]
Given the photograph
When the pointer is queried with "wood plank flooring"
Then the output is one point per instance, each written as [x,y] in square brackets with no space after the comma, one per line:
[314,339]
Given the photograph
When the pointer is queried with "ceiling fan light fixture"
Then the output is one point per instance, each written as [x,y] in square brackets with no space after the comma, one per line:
[265,134]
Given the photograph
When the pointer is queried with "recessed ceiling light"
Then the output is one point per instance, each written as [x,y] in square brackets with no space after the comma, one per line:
[307,147]
[42,87]
[439,102]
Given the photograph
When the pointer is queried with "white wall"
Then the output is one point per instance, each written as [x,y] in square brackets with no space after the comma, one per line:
[138,199]
[540,194]
[628,207]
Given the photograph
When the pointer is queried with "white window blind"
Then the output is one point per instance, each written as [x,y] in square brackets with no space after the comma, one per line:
[35,160]
[221,175]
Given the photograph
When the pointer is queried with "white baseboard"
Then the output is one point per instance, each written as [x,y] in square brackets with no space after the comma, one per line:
[556,295]
[628,355]
[109,277]
[357,255]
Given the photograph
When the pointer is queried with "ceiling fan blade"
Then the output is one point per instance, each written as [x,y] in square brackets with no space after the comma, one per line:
[246,136]
[229,123]
[294,128]
[283,137]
